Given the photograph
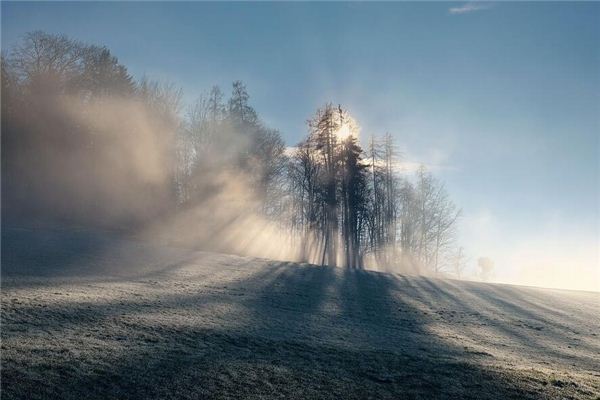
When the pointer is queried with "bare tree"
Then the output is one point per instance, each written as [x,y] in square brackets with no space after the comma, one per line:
[240,110]
[445,216]
[486,267]
[459,262]
[324,126]
[354,193]
[46,62]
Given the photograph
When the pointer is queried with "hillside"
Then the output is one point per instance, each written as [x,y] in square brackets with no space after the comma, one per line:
[89,315]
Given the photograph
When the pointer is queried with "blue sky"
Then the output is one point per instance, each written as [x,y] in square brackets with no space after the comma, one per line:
[501,100]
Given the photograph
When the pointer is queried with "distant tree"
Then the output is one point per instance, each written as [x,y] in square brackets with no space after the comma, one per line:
[163,101]
[427,222]
[162,97]
[384,204]
[215,106]
[9,90]
[240,111]
[425,198]
[101,75]
[445,216]
[45,63]
[268,160]
[390,185]
[235,140]
[486,267]
[409,222]
[376,212]
[459,262]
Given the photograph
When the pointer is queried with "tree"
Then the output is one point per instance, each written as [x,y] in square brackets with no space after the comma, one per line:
[459,262]
[409,222]
[389,182]
[376,209]
[427,220]
[101,75]
[425,198]
[445,216]
[45,63]
[330,183]
[304,172]
[323,128]
[240,112]
[383,218]
[486,267]
[215,106]
[267,165]
[354,198]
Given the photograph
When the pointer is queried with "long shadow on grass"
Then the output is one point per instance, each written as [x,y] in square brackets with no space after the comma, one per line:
[298,332]
[527,329]
[48,253]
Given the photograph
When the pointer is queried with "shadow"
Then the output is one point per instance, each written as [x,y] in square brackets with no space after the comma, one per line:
[247,328]
[518,326]
[59,252]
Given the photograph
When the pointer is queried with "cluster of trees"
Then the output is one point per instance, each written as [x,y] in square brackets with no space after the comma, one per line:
[218,137]
[357,206]
[82,140]
[329,189]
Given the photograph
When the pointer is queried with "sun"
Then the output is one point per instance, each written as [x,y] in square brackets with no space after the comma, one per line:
[344,132]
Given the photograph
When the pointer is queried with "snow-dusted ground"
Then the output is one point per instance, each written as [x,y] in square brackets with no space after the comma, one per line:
[91,316]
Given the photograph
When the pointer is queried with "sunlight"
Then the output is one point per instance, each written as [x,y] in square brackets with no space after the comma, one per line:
[318,201]
[344,132]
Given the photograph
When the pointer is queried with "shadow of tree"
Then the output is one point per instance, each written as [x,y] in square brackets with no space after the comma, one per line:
[293,332]
[199,325]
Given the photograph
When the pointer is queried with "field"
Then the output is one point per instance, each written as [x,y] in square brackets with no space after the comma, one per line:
[98,316]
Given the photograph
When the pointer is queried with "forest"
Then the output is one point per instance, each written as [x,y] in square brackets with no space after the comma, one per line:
[85,143]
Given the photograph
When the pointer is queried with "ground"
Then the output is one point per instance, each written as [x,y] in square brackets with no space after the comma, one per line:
[95,316]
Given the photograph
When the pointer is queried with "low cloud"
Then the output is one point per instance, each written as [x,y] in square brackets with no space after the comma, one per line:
[435,160]
[468,8]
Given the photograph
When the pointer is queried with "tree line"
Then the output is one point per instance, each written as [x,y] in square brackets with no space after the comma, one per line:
[83,141]
[359,205]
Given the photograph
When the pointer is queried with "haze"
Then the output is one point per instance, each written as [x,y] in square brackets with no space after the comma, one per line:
[499,102]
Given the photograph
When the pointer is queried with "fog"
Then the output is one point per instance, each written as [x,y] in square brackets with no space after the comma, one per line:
[126,183]
[224,200]
[86,145]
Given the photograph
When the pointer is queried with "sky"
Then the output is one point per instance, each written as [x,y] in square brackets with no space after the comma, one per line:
[500,100]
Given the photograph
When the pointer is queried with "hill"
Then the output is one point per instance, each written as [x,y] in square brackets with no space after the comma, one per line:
[93,315]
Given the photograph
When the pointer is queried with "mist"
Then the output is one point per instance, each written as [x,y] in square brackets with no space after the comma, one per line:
[103,151]
[305,205]
[110,162]
[85,144]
